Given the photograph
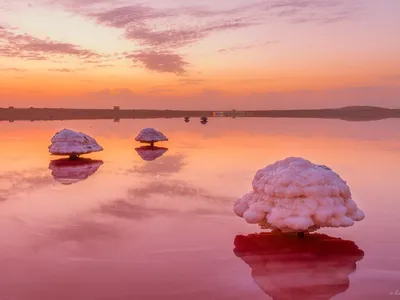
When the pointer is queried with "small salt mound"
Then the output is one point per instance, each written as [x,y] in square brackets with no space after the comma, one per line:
[150,135]
[69,142]
[296,195]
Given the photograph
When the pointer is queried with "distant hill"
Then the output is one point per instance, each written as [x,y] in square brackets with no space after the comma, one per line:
[348,113]
[354,108]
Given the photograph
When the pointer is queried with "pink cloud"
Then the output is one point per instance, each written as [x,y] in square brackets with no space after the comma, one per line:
[12,69]
[190,81]
[28,47]
[166,60]
[305,10]
[123,16]
[65,70]
[167,38]
[120,14]
[135,19]
[173,38]
[160,61]
[246,47]
[104,66]
[171,87]
[160,89]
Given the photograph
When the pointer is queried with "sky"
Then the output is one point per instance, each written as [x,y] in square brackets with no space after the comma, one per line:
[187,54]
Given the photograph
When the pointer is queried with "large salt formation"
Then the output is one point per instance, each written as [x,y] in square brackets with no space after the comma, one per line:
[68,171]
[73,144]
[150,136]
[295,195]
[286,268]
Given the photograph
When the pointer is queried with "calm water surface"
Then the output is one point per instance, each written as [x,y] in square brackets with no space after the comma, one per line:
[119,226]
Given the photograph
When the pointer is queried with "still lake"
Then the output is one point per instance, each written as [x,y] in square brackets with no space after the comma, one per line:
[123,227]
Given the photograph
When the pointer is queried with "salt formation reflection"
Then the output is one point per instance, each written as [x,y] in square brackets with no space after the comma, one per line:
[285,267]
[150,153]
[67,171]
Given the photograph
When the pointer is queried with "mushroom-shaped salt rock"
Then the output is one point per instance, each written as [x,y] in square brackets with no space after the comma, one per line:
[295,195]
[282,266]
[72,143]
[150,136]
[150,153]
[68,171]
[187,119]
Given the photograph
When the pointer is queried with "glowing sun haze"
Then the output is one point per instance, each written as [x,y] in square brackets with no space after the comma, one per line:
[243,54]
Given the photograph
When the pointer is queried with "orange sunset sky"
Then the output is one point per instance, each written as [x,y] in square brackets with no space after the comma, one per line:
[209,54]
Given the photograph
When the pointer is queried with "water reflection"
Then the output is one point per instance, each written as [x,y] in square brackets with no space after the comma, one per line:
[167,197]
[125,209]
[80,231]
[167,165]
[130,234]
[285,267]
[67,171]
[13,183]
[150,153]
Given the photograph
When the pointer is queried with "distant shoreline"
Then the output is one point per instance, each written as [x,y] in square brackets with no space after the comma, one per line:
[350,113]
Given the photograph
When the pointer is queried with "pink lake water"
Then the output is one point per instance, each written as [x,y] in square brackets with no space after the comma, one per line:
[122,227]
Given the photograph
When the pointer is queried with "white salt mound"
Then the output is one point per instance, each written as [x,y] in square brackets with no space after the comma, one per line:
[296,195]
[69,142]
[150,135]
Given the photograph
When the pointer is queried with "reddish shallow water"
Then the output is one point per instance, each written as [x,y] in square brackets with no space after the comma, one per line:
[131,224]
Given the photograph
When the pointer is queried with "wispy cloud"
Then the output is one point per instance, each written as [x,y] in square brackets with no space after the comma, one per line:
[160,89]
[292,10]
[171,39]
[138,23]
[175,38]
[171,87]
[122,17]
[7,69]
[27,47]
[135,20]
[166,38]
[190,81]
[160,61]
[66,70]
[246,47]
[162,32]
[103,66]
